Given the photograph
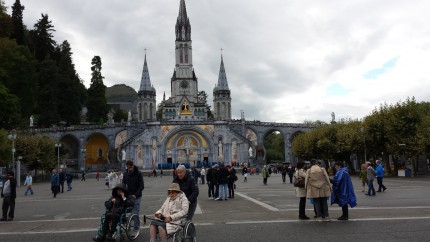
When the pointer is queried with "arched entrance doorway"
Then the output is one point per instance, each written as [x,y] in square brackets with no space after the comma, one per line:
[96,152]
[71,146]
[187,147]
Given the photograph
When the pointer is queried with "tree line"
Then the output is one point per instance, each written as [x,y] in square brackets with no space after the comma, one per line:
[393,130]
[38,77]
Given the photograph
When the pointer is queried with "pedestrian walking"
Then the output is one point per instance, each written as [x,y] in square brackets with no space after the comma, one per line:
[290,171]
[202,175]
[69,179]
[231,179]
[29,183]
[195,174]
[265,174]
[283,173]
[83,175]
[8,193]
[134,180]
[161,173]
[300,175]
[245,174]
[363,177]
[380,176]
[318,187]
[97,175]
[107,181]
[55,183]
[120,177]
[343,190]
[209,181]
[370,177]
[215,180]
[62,178]
[189,187]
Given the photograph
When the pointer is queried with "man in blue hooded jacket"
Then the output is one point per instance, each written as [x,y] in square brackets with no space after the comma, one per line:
[343,191]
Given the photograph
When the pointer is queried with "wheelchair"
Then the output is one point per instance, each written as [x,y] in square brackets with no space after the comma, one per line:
[125,227]
[186,231]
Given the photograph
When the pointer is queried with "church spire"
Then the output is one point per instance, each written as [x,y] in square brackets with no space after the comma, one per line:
[145,82]
[222,77]
[183,27]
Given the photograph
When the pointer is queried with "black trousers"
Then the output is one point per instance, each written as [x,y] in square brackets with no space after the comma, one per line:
[62,186]
[110,223]
[345,211]
[265,181]
[284,177]
[380,185]
[231,189]
[211,189]
[55,189]
[8,206]
[302,206]
[216,190]
[291,179]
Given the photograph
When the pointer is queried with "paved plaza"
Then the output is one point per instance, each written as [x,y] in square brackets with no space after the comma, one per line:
[257,213]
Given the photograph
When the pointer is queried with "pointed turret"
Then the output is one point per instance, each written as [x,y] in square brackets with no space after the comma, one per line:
[183,27]
[145,82]
[222,77]
[222,95]
[146,96]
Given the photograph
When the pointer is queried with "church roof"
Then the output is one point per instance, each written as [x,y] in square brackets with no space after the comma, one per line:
[222,78]
[145,82]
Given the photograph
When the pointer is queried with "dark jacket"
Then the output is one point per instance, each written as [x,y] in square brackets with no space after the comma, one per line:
[12,188]
[120,204]
[231,176]
[209,175]
[62,177]
[134,182]
[223,175]
[69,177]
[188,186]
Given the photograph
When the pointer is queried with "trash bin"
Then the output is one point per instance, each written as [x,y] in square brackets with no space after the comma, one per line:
[408,172]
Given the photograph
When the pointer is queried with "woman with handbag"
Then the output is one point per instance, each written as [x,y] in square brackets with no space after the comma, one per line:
[299,183]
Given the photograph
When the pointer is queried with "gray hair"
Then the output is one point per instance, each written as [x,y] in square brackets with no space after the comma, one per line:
[181,168]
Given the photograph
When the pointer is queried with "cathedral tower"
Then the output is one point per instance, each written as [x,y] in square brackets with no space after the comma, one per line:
[221,96]
[146,107]
[184,99]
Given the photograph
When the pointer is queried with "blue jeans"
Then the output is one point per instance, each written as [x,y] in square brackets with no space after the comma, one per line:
[203,179]
[371,188]
[28,190]
[223,191]
[136,210]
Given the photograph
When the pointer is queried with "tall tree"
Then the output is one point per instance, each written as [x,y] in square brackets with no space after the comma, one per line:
[17,74]
[9,108]
[48,77]
[17,24]
[68,96]
[5,21]
[96,100]
[203,96]
[42,38]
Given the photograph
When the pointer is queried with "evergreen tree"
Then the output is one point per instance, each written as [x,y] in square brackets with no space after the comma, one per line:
[5,21]
[96,100]
[17,24]
[9,108]
[68,96]
[48,77]
[17,74]
[41,35]
[203,96]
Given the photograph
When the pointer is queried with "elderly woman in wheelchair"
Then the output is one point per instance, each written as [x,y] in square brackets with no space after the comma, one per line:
[170,215]
[117,207]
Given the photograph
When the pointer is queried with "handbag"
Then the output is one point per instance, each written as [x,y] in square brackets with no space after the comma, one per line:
[299,182]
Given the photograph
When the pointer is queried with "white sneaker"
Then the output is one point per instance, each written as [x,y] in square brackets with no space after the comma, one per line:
[216,198]
[211,198]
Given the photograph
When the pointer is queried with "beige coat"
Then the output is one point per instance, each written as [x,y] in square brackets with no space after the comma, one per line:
[176,209]
[317,183]
[300,191]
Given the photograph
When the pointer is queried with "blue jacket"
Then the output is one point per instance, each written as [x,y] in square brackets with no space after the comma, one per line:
[343,191]
[380,171]
[55,180]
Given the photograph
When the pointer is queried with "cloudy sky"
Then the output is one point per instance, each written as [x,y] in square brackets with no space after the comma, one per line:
[286,60]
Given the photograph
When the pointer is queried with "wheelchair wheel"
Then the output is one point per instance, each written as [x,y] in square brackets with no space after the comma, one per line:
[129,230]
[189,232]
[100,229]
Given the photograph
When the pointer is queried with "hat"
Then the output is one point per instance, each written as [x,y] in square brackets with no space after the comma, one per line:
[122,187]
[174,187]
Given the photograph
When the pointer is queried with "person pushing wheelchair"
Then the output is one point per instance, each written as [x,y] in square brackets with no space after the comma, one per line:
[115,206]
[174,209]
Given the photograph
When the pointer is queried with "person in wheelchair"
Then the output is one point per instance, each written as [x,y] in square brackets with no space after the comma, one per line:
[115,207]
[174,209]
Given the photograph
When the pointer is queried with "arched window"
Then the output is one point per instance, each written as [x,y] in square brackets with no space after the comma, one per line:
[181,53]
[150,111]
[139,110]
[145,111]
[186,53]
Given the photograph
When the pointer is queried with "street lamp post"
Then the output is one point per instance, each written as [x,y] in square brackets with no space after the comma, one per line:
[12,136]
[58,146]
